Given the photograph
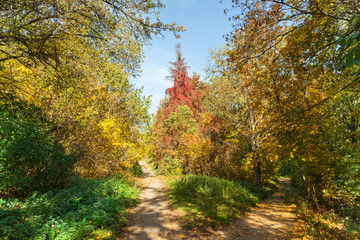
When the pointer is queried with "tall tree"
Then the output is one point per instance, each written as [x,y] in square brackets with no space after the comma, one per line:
[177,120]
[247,90]
[74,60]
[311,58]
[186,90]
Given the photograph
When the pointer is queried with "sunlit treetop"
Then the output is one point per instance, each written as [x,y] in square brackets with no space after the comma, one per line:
[54,33]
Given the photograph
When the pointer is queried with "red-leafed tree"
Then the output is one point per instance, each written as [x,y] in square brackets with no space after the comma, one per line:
[177,124]
[187,91]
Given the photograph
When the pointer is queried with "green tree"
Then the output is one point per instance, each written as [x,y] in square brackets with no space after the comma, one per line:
[30,157]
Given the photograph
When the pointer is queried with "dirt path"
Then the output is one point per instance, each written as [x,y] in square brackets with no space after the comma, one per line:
[270,219]
[155,219]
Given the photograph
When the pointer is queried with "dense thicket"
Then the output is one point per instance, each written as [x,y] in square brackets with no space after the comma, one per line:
[30,157]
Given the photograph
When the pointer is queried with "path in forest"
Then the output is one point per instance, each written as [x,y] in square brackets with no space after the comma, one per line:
[270,219]
[154,218]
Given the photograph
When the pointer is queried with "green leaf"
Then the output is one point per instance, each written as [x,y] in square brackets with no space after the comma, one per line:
[354,20]
[355,35]
[349,59]
[357,53]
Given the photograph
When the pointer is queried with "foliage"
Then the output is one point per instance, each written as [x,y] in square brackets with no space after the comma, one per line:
[322,224]
[284,91]
[168,166]
[137,170]
[180,143]
[186,91]
[241,96]
[56,33]
[74,61]
[99,119]
[260,193]
[89,209]
[212,201]
[326,226]
[30,157]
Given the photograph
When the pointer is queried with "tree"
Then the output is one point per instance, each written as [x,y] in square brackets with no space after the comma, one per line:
[308,66]
[176,123]
[247,90]
[186,91]
[74,60]
[327,32]
[55,34]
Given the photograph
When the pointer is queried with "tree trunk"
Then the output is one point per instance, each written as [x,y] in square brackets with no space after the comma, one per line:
[353,129]
[258,174]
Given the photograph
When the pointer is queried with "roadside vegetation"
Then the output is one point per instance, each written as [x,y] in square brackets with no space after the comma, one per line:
[323,223]
[89,209]
[282,94]
[209,201]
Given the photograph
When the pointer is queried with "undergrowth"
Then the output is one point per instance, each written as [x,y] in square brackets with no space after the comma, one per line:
[136,170]
[323,224]
[90,209]
[211,201]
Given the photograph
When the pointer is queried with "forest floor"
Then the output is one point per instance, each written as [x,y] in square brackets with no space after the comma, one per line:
[154,218]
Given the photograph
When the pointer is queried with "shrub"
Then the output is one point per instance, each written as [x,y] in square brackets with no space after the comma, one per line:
[30,157]
[88,209]
[210,201]
[136,170]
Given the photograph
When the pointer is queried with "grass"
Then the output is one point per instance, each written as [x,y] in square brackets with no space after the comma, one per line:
[211,201]
[90,209]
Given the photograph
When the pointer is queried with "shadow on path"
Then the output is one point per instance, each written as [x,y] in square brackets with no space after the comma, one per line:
[270,219]
[153,218]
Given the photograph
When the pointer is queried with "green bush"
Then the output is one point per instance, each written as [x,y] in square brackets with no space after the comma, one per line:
[30,157]
[210,201]
[89,209]
[136,170]
[258,192]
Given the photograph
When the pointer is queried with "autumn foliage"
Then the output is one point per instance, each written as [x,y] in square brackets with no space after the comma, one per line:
[282,97]
[181,144]
[69,66]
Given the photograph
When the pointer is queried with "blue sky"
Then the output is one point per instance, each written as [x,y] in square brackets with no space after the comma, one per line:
[206,24]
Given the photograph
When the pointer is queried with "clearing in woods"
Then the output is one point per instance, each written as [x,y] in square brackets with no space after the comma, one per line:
[154,218]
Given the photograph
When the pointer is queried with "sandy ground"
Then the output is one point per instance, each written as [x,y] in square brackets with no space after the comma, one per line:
[154,218]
